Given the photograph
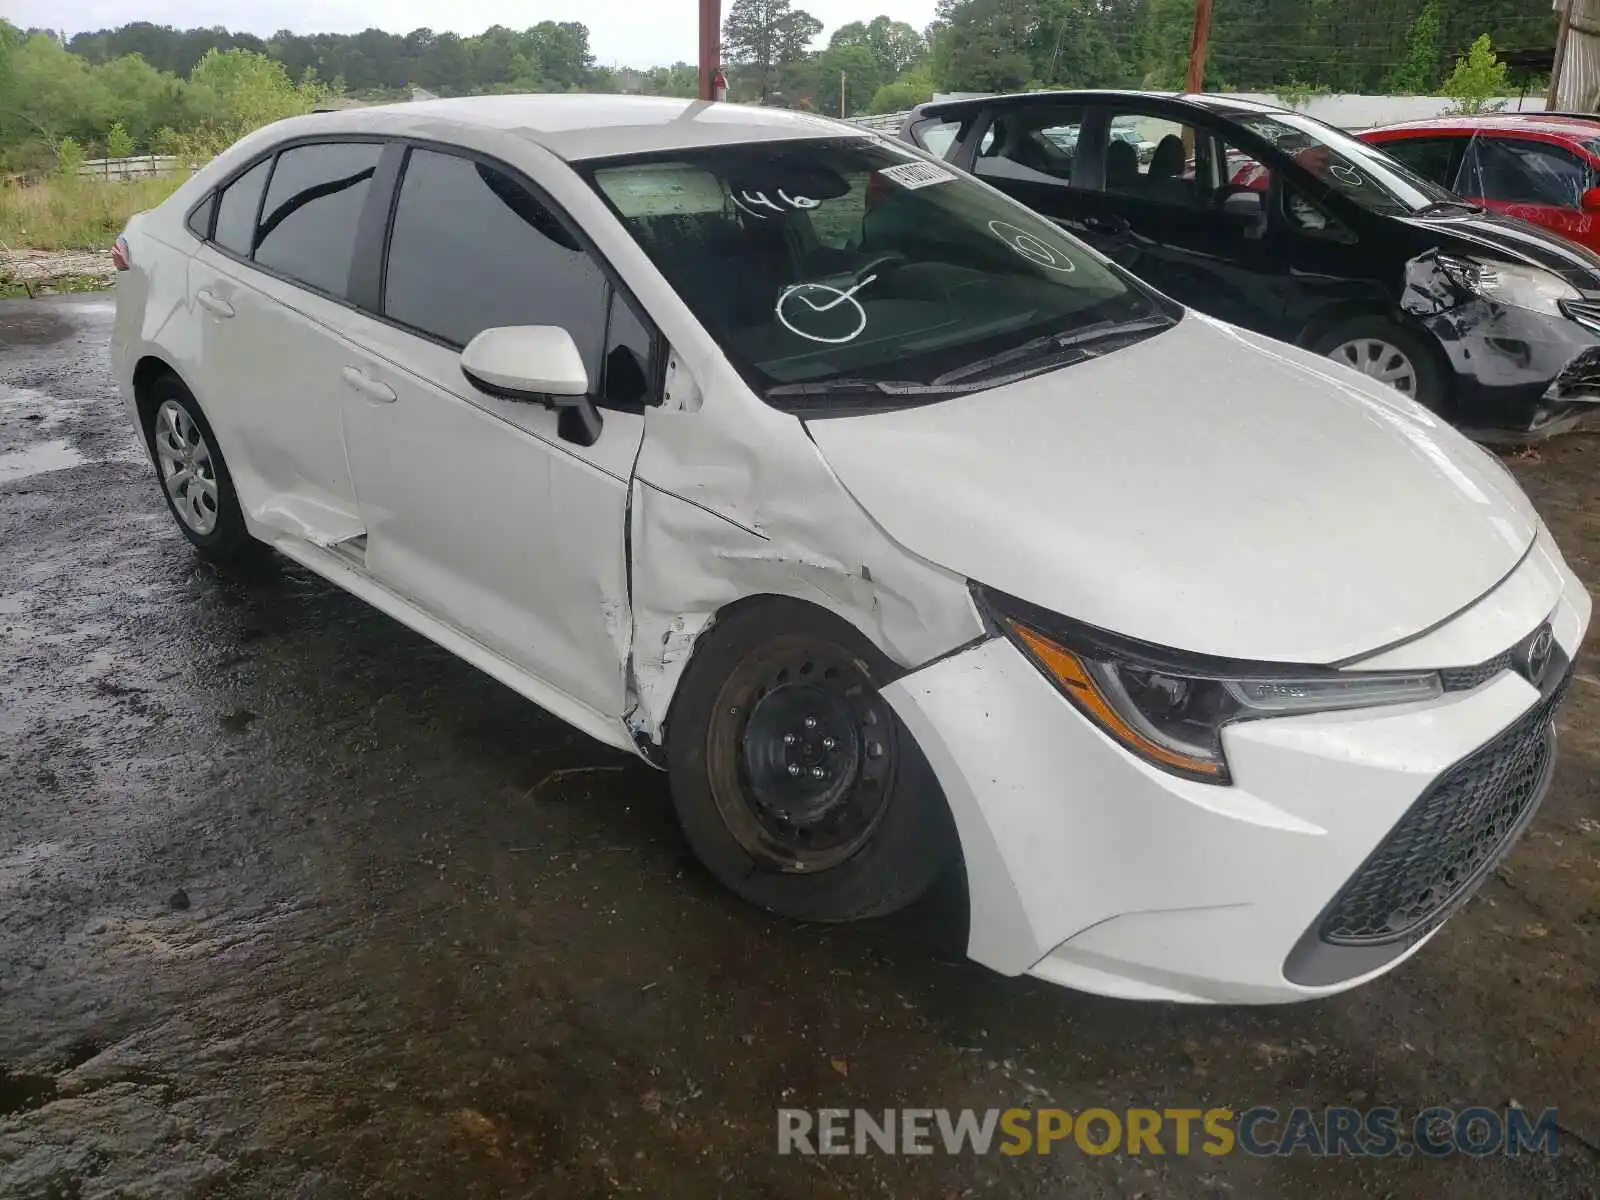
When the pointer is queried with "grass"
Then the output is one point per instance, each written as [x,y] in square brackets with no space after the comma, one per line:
[75,214]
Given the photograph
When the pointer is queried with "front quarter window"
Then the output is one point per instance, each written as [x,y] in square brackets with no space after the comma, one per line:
[851,266]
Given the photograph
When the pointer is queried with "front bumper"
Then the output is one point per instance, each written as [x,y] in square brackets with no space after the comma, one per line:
[1088,867]
[1519,376]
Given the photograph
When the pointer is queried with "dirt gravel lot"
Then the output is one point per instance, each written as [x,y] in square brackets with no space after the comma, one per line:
[293,904]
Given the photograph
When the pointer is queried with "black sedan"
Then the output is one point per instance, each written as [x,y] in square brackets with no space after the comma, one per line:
[1280,223]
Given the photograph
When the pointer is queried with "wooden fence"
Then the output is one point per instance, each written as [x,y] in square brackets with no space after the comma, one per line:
[138,167]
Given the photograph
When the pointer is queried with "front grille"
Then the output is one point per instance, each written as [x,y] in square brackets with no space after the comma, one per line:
[1584,312]
[1451,838]
[1464,679]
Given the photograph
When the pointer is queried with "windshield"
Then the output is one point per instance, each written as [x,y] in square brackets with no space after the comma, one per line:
[826,266]
[1351,167]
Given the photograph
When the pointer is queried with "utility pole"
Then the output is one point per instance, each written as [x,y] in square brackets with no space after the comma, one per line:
[1197,46]
[841,95]
[710,46]
[1553,96]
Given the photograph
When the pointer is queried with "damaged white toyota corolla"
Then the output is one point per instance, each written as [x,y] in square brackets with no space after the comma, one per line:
[900,527]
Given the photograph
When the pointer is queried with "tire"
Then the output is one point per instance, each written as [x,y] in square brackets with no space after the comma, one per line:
[193,475]
[1355,343]
[865,839]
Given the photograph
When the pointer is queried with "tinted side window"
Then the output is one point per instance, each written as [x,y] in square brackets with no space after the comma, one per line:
[1035,145]
[314,202]
[1515,171]
[1432,158]
[936,136]
[236,210]
[628,357]
[472,249]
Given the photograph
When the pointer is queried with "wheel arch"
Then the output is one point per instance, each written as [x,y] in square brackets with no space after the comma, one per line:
[146,371]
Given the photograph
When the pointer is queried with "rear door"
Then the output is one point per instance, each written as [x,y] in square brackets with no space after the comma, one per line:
[270,289]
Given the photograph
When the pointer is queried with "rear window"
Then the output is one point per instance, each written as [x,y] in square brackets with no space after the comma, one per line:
[313,207]
[236,210]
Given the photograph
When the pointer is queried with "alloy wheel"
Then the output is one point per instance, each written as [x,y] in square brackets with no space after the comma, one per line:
[188,471]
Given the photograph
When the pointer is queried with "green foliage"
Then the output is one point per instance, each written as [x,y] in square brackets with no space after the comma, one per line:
[911,89]
[763,36]
[69,157]
[1477,79]
[1418,74]
[119,143]
[982,45]
[60,213]
[1297,95]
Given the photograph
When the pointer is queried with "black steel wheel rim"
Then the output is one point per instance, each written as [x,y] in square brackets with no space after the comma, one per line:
[801,755]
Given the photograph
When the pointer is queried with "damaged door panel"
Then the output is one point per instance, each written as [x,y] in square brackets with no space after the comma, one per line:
[733,501]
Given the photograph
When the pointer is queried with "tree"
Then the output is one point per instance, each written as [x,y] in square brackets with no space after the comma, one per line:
[894,45]
[1418,74]
[235,91]
[1477,79]
[911,89]
[981,44]
[765,34]
[118,143]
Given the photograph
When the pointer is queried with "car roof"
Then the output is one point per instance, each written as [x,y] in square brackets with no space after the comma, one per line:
[1214,103]
[580,126]
[1574,125]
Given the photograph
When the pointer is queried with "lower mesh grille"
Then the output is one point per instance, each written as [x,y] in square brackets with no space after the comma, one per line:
[1451,837]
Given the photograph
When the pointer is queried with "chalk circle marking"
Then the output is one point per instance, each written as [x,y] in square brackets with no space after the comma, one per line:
[1031,247]
[834,298]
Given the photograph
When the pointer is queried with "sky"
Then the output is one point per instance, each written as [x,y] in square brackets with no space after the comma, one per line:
[631,33]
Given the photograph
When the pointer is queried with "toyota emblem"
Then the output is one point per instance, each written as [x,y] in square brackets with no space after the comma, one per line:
[1534,657]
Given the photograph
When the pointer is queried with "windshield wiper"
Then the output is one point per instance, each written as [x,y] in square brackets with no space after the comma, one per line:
[876,387]
[1054,343]
[1443,206]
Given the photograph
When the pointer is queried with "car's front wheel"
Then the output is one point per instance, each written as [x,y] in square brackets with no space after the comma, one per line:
[795,782]
[1390,354]
[194,477]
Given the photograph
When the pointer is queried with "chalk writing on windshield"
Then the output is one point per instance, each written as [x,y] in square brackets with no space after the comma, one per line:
[819,312]
[752,201]
[1031,247]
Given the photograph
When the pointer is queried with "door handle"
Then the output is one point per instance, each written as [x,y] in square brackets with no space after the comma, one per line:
[372,389]
[1110,226]
[213,303]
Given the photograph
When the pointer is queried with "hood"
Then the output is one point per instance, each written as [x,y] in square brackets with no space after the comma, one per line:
[1207,489]
[1494,236]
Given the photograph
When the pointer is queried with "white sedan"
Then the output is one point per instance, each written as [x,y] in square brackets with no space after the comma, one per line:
[898,526]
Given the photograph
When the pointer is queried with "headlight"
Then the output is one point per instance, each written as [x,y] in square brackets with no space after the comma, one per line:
[1508,283]
[1170,708]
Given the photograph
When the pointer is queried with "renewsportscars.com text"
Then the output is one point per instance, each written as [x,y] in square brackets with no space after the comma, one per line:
[1261,1131]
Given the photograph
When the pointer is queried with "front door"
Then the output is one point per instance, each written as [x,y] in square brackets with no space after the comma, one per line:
[476,508]
[1535,180]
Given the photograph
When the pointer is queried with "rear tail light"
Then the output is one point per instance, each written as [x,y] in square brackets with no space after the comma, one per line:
[120,258]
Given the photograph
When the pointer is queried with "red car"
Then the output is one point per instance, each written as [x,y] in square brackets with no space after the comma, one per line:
[1542,167]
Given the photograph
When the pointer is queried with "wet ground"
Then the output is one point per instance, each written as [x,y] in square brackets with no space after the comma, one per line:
[293,904]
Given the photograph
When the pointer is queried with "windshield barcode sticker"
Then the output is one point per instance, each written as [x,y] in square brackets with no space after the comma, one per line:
[914,175]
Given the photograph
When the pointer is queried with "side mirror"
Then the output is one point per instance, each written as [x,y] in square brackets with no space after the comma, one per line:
[539,364]
[1590,200]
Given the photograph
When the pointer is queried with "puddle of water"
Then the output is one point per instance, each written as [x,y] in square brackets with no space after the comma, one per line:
[55,455]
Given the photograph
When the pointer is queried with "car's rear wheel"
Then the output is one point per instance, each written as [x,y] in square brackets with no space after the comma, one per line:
[795,782]
[194,476]
[1390,354]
